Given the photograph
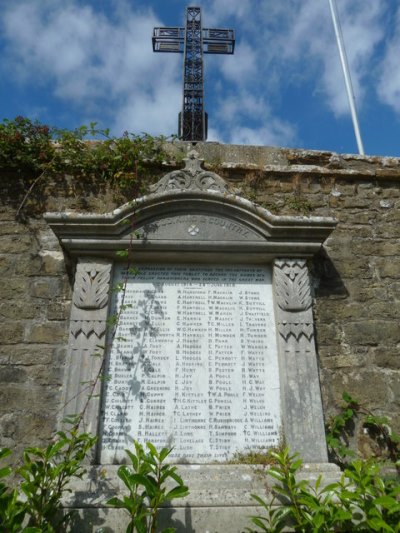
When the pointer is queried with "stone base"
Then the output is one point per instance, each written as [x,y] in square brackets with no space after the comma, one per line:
[219,500]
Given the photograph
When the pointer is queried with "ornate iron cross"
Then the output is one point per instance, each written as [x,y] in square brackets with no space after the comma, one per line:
[193,41]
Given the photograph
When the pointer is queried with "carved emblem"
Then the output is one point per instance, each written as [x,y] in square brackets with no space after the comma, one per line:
[91,285]
[191,178]
[193,230]
[292,285]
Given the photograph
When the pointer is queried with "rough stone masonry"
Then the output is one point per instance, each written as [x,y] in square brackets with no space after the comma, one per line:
[356,276]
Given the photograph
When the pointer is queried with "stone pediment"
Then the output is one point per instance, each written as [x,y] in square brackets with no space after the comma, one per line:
[192,211]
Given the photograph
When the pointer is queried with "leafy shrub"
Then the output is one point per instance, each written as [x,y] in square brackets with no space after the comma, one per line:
[361,501]
[45,476]
[146,483]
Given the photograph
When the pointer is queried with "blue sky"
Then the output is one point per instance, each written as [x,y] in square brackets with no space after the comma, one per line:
[70,62]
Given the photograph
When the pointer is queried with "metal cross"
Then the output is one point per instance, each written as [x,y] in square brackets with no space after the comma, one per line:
[193,40]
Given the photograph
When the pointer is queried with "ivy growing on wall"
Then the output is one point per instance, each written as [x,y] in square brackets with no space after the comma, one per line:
[35,151]
[29,147]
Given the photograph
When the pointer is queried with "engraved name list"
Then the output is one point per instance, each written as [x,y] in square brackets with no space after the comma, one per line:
[193,364]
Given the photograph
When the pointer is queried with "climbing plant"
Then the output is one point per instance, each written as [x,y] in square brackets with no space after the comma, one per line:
[28,146]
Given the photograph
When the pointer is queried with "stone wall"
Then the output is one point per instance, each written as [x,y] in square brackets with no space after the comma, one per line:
[356,276]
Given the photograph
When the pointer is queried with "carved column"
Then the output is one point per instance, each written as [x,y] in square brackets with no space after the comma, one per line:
[88,327]
[301,394]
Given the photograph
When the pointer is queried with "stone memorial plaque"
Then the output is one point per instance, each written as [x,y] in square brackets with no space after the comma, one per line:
[193,363]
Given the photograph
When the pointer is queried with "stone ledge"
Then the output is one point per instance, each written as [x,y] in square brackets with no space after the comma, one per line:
[219,500]
[210,485]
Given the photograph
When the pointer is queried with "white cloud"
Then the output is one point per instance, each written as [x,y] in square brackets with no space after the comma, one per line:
[389,80]
[308,43]
[94,61]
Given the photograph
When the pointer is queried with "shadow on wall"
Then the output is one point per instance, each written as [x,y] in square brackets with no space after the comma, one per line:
[93,520]
[326,279]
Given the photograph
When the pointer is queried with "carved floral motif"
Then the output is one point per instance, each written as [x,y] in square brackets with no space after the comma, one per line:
[292,285]
[90,299]
[91,286]
[292,289]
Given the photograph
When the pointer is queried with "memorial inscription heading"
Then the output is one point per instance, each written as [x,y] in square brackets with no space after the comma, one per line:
[193,364]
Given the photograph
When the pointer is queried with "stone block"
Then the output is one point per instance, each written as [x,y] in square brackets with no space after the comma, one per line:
[354,268]
[19,310]
[14,287]
[375,247]
[46,287]
[328,333]
[393,216]
[25,428]
[384,309]
[389,230]
[355,202]
[11,332]
[47,333]
[367,386]
[6,264]
[48,240]
[28,265]
[12,228]
[391,173]
[371,332]
[13,374]
[53,262]
[17,396]
[388,268]
[15,244]
[345,361]
[386,357]
[29,354]
[59,310]
[365,291]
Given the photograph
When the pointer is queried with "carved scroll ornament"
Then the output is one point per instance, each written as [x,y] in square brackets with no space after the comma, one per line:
[191,178]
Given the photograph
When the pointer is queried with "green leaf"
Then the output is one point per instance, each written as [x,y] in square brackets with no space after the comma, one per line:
[115,502]
[377,524]
[4,452]
[6,471]
[259,522]
[152,449]
[177,492]
[387,502]
[164,453]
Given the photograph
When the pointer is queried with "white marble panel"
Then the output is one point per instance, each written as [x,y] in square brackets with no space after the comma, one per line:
[193,364]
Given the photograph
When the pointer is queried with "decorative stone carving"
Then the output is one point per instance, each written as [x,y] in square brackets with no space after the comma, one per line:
[296,329]
[301,398]
[89,310]
[292,290]
[91,291]
[88,327]
[292,285]
[191,178]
